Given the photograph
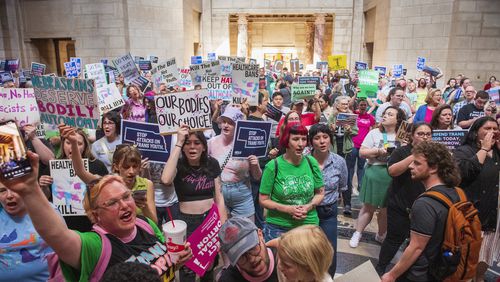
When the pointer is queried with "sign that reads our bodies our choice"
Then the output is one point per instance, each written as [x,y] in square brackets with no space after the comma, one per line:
[245,83]
[251,138]
[190,107]
[69,101]
[19,104]
[147,138]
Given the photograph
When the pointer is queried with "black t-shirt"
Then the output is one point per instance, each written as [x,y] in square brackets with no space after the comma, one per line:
[196,184]
[232,273]
[468,112]
[428,218]
[403,191]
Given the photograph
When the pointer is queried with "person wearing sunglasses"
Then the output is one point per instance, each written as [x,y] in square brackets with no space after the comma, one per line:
[117,232]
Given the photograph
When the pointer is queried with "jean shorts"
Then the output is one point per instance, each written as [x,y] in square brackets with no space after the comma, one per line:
[238,199]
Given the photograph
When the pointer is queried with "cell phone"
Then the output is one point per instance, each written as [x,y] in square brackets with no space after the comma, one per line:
[139,194]
[14,161]
[390,150]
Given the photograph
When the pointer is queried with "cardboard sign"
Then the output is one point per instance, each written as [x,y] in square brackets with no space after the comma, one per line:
[397,71]
[196,60]
[309,80]
[420,63]
[294,65]
[153,59]
[144,65]
[346,119]
[246,83]
[251,138]
[205,69]
[70,101]
[68,190]
[368,83]
[190,107]
[267,65]
[37,69]
[219,87]
[273,112]
[126,66]
[97,73]
[360,66]
[278,66]
[404,132]
[19,104]
[337,62]
[109,98]
[450,138]
[211,57]
[78,63]
[185,80]
[165,72]
[147,138]
[205,242]
[11,65]
[381,70]
[303,91]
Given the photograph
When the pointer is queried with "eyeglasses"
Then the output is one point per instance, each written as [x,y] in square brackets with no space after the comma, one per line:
[112,204]
[108,123]
[424,134]
[254,252]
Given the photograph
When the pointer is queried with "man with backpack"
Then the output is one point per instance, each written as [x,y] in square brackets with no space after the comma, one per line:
[435,252]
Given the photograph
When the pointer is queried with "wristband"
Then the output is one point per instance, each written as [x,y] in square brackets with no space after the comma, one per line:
[487,151]
[177,145]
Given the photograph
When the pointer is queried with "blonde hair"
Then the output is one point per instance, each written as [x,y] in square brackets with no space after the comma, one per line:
[93,191]
[308,247]
[431,94]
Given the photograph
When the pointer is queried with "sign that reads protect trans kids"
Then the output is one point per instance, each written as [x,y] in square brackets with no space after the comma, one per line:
[450,138]
[67,189]
[69,101]
[245,83]
[189,107]
[251,138]
[19,104]
[126,66]
[147,138]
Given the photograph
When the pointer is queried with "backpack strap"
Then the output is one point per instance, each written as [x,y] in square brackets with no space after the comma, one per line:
[275,174]
[144,224]
[440,197]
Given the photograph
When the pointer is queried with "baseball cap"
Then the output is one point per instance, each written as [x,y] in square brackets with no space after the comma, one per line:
[231,113]
[237,236]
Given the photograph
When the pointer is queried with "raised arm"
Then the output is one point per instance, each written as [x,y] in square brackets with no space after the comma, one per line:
[170,169]
[41,149]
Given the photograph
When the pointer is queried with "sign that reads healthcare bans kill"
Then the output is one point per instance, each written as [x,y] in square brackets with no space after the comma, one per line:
[205,242]
[245,83]
[189,107]
[147,138]
[126,66]
[67,189]
[303,91]
[97,73]
[109,98]
[69,101]
[19,104]
[450,138]
[251,138]
[165,72]
[219,87]
[205,69]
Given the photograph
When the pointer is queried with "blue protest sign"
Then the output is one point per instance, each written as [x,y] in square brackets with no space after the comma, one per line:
[12,65]
[78,62]
[309,80]
[196,60]
[381,70]
[251,138]
[145,65]
[71,69]
[397,71]
[361,66]
[450,138]
[211,57]
[147,138]
[420,63]
[104,61]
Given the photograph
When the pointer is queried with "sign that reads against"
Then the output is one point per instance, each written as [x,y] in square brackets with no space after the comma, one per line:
[205,242]
[190,107]
[205,69]
[165,73]
[303,91]
[251,138]
[219,87]
[67,189]
[368,83]
[315,80]
[69,101]
[185,79]
[360,66]
[381,70]
[97,73]
[450,138]
[420,63]
[19,104]
[37,69]
[245,83]
[109,98]
[337,62]
[147,138]
[126,66]
[397,70]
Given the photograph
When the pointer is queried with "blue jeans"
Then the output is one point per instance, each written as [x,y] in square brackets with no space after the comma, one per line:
[328,222]
[273,231]
[351,159]
[238,199]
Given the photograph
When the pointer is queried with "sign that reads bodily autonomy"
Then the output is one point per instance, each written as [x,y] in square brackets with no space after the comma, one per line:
[19,104]
[70,101]
[126,66]
[67,189]
[165,73]
[251,138]
[147,138]
[245,83]
[302,91]
[190,107]
[450,138]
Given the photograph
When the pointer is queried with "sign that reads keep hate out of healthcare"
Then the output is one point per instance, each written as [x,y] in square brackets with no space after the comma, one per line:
[251,138]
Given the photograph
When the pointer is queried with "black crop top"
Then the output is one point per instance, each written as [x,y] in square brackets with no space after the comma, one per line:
[194,185]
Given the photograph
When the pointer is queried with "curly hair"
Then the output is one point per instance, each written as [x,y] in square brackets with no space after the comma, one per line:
[438,156]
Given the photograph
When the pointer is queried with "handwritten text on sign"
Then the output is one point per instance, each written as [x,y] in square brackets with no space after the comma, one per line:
[67,189]
[246,82]
[19,104]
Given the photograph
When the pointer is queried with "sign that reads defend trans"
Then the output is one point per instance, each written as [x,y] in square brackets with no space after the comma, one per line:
[450,138]
[251,138]
[147,138]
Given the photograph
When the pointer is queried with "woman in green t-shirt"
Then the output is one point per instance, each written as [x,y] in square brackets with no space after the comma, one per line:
[291,185]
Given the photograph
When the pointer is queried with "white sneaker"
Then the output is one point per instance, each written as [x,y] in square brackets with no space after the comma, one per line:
[354,242]
[380,239]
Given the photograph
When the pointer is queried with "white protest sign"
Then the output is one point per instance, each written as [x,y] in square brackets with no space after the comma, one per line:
[219,87]
[67,189]
[185,80]
[245,83]
[197,71]
[109,98]
[126,66]
[97,73]
[226,61]
[189,107]
[19,104]
[165,72]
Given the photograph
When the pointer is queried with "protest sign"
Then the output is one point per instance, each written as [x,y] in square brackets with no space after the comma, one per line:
[70,68]
[2,65]
[303,91]
[26,74]
[40,131]
[360,66]
[204,69]
[251,138]
[309,80]
[153,59]
[126,66]
[141,82]
[420,63]
[97,73]
[189,107]
[78,63]
[19,104]
[294,65]
[245,83]
[404,132]
[368,83]
[205,242]
[494,94]
[252,61]
[319,65]
[69,101]
[346,119]
[273,112]
[144,65]
[185,79]
[381,70]
[12,65]
[109,98]
[337,62]
[137,59]
[68,190]
[110,76]
[278,66]
[147,138]
[397,70]
[450,138]
[362,273]
[104,61]
[37,69]
[226,62]
[211,57]
[6,76]
[267,65]
[165,72]
[219,87]
[196,60]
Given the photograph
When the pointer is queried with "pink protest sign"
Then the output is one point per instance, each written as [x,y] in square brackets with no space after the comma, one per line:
[205,243]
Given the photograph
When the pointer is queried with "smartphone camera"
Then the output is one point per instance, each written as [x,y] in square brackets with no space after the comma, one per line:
[13,152]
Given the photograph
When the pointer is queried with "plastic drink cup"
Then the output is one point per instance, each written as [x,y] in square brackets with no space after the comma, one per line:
[175,238]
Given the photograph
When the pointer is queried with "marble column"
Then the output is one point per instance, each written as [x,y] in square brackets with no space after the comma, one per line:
[319,34]
[242,35]
[309,43]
